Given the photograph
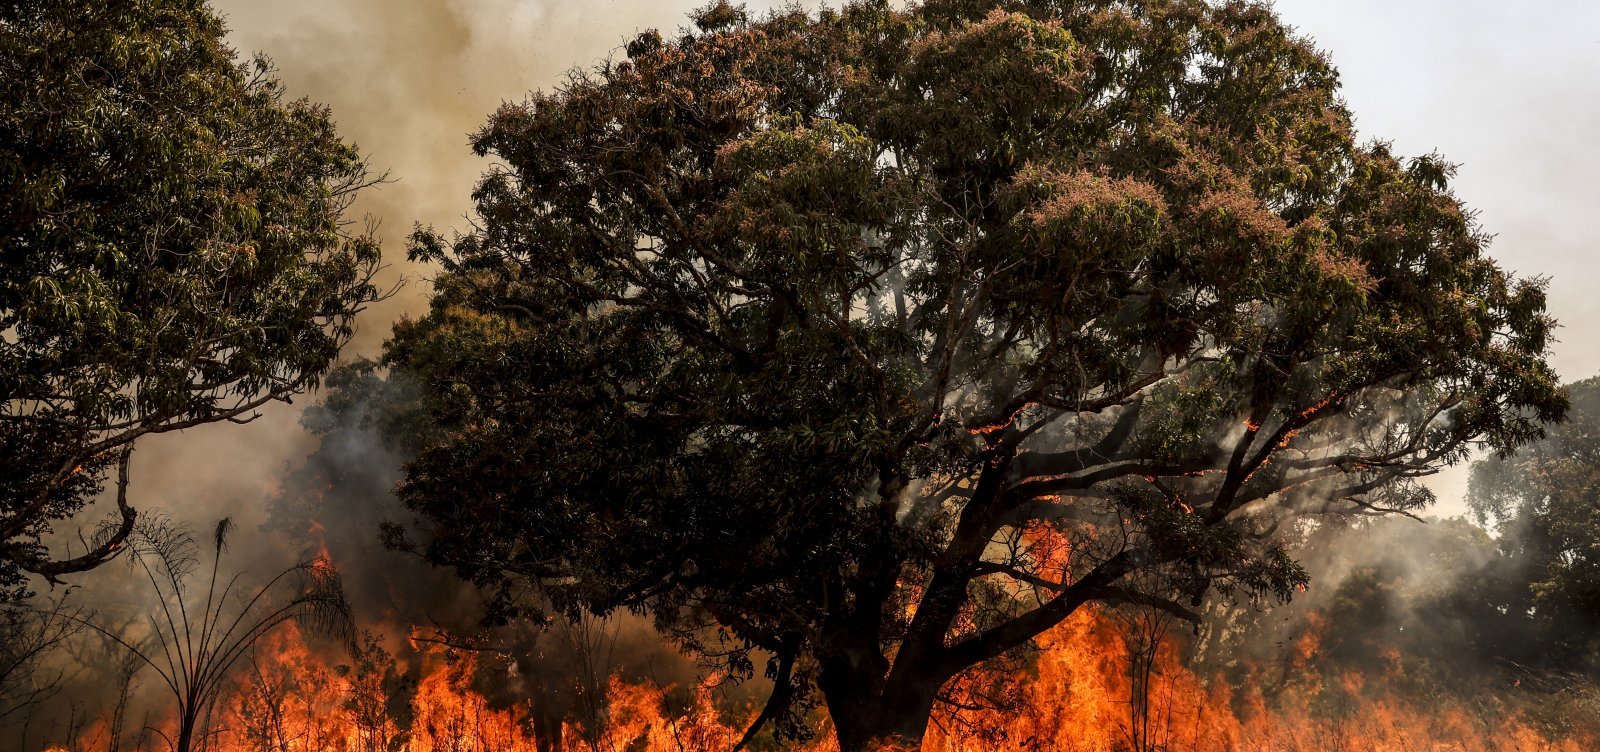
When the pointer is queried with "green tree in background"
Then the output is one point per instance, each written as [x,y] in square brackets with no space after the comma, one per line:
[1545,501]
[883,339]
[172,252]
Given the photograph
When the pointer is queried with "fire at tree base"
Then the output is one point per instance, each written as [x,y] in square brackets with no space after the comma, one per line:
[1090,687]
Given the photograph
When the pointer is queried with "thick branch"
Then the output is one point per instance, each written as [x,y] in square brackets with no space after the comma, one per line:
[109,547]
[1034,464]
[782,693]
[1124,595]
[998,639]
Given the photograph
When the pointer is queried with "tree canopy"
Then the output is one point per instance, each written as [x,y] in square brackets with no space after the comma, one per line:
[883,339]
[172,252]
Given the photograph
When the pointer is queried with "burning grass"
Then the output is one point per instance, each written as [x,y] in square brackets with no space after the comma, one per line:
[1076,693]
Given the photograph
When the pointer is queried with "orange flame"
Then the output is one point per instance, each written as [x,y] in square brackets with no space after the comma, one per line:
[1076,694]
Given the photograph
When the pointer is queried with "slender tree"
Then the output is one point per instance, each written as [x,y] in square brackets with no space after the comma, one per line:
[883,339]
[172,252]
[194,643]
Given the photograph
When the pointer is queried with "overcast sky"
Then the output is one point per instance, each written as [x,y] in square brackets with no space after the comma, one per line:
[1508,91]
[1505,89]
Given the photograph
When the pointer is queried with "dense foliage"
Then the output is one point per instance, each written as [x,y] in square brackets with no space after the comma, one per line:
[172,252]
[882,340]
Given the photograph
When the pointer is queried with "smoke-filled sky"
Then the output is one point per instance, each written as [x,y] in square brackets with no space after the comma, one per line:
[1505,89]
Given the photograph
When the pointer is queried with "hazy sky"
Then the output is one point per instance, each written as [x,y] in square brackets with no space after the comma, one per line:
[1506,89]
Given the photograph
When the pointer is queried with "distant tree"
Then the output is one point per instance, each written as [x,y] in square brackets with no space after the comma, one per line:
[27,636]
[1442,611]
[1545,501]
[882,340]
[1437,595]
[172,252]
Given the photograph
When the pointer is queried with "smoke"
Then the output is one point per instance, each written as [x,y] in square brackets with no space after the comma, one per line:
[1433,612]
[408,82]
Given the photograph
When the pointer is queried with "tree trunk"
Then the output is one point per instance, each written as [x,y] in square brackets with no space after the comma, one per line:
[895,719]
[547,731]
[185,741]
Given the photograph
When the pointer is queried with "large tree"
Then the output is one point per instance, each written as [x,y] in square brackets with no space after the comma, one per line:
[172,252]
[883,339]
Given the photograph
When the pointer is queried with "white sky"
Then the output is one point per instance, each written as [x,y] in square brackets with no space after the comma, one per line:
[1508,91]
